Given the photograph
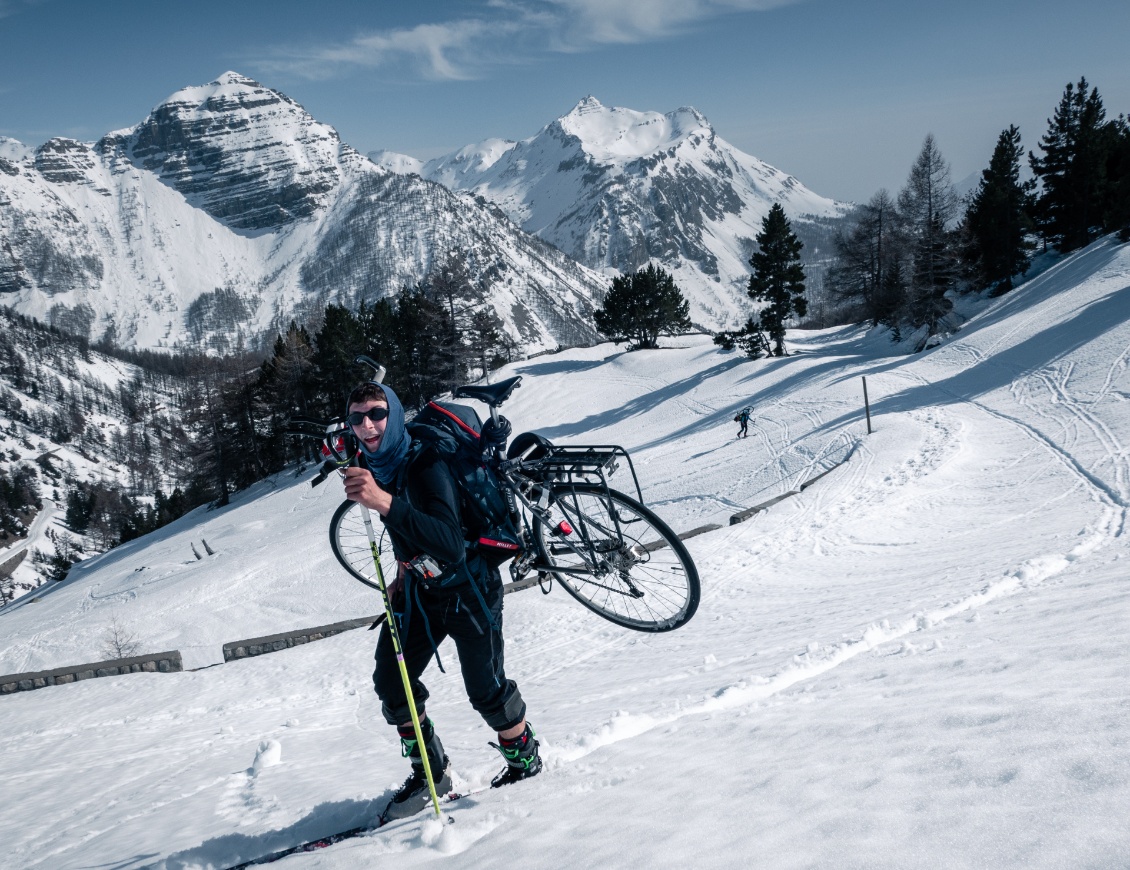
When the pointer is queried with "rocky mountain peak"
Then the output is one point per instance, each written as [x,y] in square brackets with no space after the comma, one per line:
[588,104]
[233,78]
[64,160]
[246,154]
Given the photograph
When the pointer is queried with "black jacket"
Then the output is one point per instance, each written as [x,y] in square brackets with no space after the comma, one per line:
[425,515]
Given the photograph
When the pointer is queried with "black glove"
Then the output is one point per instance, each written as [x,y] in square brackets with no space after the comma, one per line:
[494,435]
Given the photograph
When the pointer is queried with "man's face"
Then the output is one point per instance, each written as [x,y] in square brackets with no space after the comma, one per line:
[370,432]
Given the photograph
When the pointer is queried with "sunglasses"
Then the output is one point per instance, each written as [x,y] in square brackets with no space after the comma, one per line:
[375,414]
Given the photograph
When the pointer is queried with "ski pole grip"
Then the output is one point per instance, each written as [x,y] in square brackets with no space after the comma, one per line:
[378,369]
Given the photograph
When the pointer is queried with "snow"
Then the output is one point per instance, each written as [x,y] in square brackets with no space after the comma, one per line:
[14,150]
[919,661]
[616,134]
[398,163]
[229,85]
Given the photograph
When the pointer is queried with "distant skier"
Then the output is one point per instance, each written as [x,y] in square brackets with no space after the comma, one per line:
[743,418]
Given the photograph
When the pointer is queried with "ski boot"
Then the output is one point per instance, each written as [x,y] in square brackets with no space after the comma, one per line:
[522,758]
[414,796]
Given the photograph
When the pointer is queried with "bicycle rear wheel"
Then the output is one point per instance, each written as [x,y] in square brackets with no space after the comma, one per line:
[350,544]
[618,558]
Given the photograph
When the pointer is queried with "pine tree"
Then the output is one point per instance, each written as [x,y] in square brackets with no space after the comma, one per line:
[1072,169]
[935,273]
[927,204]
[998,220]
[1116,201]
[484,338]
[641,307]
[421,365]
[450,284]
[336,344]
[864,255]
[751,339]
[214,455]
[895,289]
[378,325]
[778,276]
[289,371]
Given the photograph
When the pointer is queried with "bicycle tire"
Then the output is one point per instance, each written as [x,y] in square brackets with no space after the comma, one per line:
[650,582]
[350,544]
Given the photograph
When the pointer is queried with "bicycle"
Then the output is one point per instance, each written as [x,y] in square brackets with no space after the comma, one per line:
[609,551]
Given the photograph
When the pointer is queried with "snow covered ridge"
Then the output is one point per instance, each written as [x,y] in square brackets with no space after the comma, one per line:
[617,188]
[247,155]
[230,211]
[77,419]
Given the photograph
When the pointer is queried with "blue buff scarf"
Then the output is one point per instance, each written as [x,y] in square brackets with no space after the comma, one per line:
[394,443]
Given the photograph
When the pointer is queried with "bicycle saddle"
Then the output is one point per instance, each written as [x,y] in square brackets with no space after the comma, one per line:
[492,394]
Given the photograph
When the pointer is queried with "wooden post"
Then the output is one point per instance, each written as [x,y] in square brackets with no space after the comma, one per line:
[867,406]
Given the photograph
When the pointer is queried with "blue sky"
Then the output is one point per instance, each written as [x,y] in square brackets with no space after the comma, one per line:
[839,93]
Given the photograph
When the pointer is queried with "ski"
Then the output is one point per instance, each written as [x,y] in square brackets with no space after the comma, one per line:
[360,831]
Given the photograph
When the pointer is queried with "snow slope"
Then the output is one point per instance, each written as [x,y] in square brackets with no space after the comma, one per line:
[919,661]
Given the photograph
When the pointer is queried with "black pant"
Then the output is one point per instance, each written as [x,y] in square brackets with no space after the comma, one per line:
[460,616]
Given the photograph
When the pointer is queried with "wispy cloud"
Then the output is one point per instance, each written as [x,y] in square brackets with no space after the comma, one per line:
[587,23]
[506,32]
[12,7]
[435,51]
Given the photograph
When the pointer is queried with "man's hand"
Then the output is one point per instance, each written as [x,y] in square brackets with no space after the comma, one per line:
[361,488]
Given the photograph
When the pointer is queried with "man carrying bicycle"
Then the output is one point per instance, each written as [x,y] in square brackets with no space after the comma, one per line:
[442,590]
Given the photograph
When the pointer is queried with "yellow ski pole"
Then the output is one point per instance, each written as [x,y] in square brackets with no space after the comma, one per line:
[390,622]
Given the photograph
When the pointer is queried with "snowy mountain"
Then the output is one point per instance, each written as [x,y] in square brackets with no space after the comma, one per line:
[84,425]
[230,211]
[918,661]
[617,189]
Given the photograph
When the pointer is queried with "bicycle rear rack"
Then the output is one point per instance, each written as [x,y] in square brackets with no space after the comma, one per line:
[586,464]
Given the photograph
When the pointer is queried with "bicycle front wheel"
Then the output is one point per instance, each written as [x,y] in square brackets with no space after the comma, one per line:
[350,544]
[618,558]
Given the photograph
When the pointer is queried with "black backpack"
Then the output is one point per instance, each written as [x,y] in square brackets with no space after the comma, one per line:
[451,431]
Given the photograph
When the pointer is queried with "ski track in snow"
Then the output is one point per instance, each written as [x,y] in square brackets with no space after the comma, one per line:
[941,435]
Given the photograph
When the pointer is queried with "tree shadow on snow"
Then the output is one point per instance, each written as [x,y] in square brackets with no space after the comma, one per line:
[562,366]
[1034,354]
[1003,368]
[638,405]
